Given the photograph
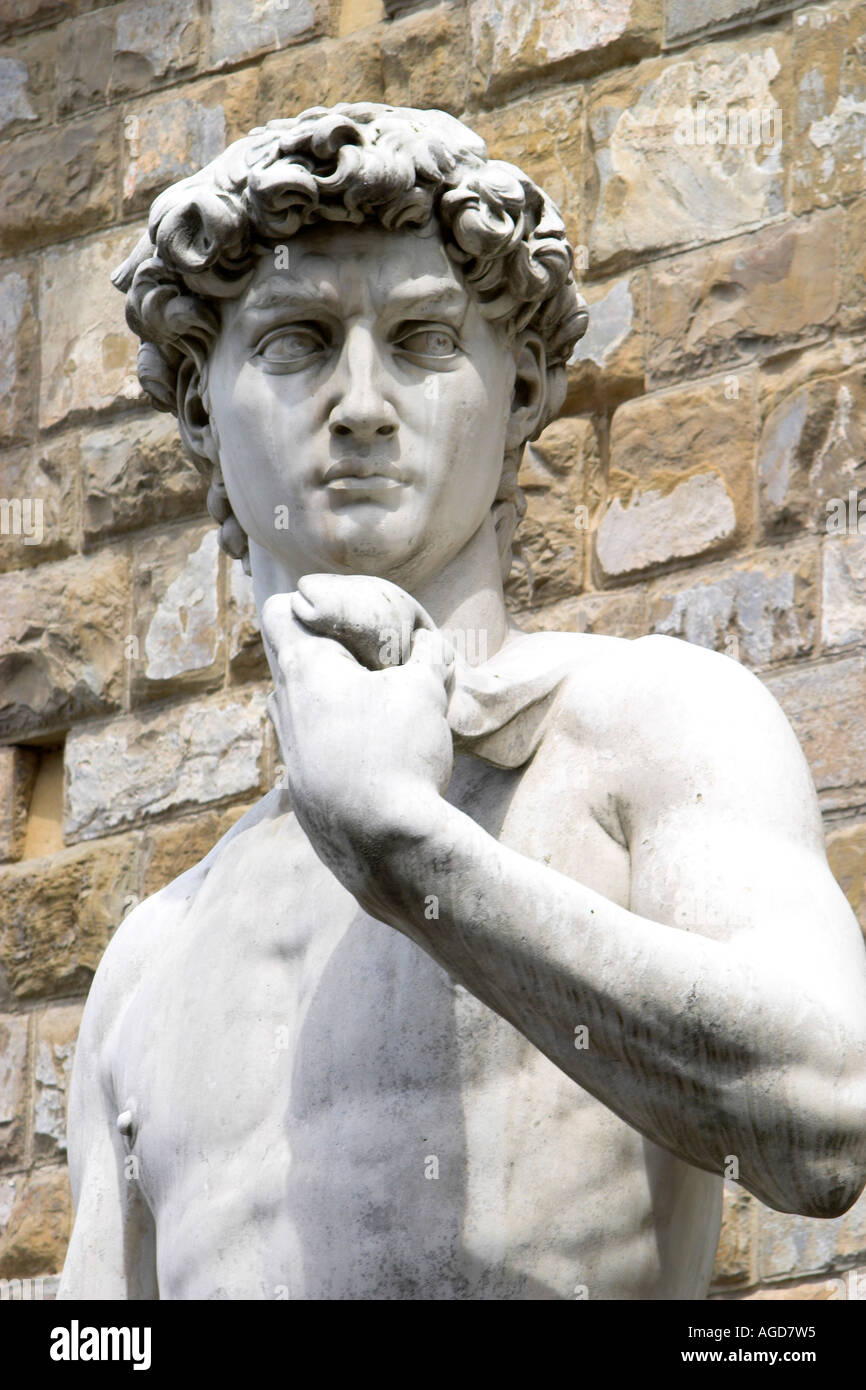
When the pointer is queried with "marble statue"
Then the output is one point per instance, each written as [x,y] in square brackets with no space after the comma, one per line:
[539,941]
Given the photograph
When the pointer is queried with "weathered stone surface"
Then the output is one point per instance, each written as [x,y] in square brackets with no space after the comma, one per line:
[689,19]
[59,912]
[172,849]
[175,588]
[827,706]
[41,522]
[853,289]
[756,610]
[560,478]
[88,354]
[166,141]
[843,609]
[811,455]
[124,49]
[791,1245]
[322,74]
[58,182]
[247,660]
[724,303]
[201,752]
[61,642]
[357,14]
[240,28]
[658,181]
[17,774]
[846,851]
[27,82]
[809,1291]
[609,362]
[735,1256]
[40,1224]
[18,352]
[56,1035]
[15,15]
[544,135]
[134,473]
[621,614]
[829,115]
[680,476]
[512,40]
[13,1087]
[425,60]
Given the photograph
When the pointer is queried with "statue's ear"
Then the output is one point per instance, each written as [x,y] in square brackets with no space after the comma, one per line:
[529,397]
[196,429]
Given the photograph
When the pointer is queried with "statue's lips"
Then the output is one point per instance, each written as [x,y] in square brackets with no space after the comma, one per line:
[362,475]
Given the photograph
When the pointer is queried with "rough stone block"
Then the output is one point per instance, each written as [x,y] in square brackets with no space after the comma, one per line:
[88,361]
[16,15]
[846,851]
[167,141]
[812,1291]
[680,476]
[609,362]
[172,849]
[240,28]
[59,912]
[826,705]
[811,454]
[756,293]
[843,609]
[175,594]
[322,74]
[123,49]
[27,82]
[135,473]
[690,19]
[756,610]
[39,507]
[39,1227]
[560,478]
[621,614]
[735,1255]
[544,135]
[358,14]
[425,60]
[13,1088]
[662,178]
[62,630]
[56,1035]
[829,117]
[188,756]
[794,1245]
[853,290]
[17,775]
[19,351]
[513,41]
[247,660]
[58,182]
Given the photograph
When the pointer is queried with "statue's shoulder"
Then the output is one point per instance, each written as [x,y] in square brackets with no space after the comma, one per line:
[139,937]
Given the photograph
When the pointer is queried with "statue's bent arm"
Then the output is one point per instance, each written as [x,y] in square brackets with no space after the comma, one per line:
[725,1014]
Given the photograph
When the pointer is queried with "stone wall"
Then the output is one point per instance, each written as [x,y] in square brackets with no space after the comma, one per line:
[710,159]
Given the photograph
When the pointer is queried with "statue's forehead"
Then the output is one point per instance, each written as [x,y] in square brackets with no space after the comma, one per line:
[347,262]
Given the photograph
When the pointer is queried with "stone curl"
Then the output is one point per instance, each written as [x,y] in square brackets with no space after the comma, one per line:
[355,164]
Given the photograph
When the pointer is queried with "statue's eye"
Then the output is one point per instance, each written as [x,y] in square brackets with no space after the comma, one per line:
[429,342]
[291,346]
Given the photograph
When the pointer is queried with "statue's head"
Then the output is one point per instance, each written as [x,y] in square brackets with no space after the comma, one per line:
[359,321]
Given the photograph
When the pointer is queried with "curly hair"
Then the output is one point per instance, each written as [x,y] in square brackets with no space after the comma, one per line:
[351,163]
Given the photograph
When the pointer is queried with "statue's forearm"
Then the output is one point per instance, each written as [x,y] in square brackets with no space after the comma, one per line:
[703,1049]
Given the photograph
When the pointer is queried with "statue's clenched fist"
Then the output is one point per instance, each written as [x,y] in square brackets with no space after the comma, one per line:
[367,745]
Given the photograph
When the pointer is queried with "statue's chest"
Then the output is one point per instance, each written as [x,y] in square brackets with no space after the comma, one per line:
[280,1010]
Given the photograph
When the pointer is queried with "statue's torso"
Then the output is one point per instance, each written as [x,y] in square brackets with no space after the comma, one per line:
[322,1113]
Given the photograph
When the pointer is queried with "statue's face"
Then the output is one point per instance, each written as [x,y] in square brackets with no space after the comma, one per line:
[361,403]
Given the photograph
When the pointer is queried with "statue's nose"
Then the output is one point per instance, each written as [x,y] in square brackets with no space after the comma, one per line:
[362,407]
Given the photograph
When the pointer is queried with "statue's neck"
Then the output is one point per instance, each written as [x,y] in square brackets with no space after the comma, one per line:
[465,596]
